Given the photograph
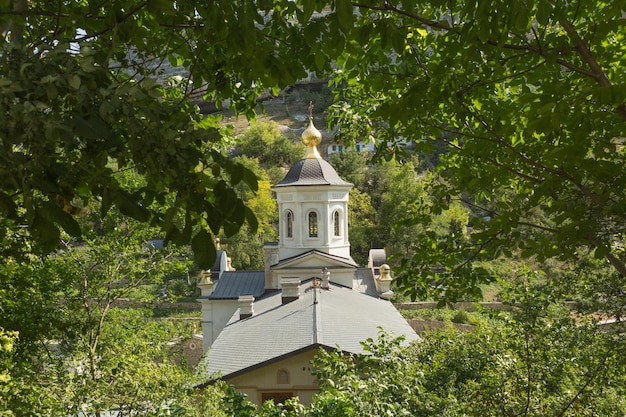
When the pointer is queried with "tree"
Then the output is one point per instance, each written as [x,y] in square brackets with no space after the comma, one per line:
[351,166]
[528,97]
[363,230]
[77,351]
[535,360]
[265,142]
[83,95]
[398,211]
[246,248]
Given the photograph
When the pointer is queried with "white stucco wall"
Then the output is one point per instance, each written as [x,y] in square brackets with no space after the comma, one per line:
[324,200]
[215,316]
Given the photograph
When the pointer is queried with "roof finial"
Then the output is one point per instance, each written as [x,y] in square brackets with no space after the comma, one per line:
[311,137]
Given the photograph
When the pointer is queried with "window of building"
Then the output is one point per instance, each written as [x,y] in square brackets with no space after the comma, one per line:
[282,377]
[289,223]
[336,224]
[277,397]
[312,224]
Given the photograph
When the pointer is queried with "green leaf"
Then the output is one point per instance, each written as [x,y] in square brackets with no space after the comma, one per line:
[74,81]
[308,7]
[45,232]
[544,10]
[251,219]
[106,202]
[56,214]
[320,61]
[129,206]
[203,249]
[250,179]
[482,20]
[600,252]
[345,14]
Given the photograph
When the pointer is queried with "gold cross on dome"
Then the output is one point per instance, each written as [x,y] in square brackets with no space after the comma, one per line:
[310,109]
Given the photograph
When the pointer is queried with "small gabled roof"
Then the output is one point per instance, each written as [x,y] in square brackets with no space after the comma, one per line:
[338,318]
[294,260]
[312,171]
[232,284]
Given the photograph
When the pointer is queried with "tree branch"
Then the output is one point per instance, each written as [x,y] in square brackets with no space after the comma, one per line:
[585,385]
[559,173]
[389,8]
[596,71]
[610,256]
[504,78]
[124,18]
[20,8]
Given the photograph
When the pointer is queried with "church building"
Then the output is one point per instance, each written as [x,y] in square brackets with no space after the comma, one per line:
[261,329]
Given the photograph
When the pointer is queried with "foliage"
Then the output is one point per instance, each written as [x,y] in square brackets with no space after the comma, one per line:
[7,341]
[351,166]
[528,98]
[179,288]
[362,222]
[534,361]
[265,142]
[524,100]
[77,352]
[245,247]
[444,314]
[83,86]
[404,211]
[127,370]
[321,96]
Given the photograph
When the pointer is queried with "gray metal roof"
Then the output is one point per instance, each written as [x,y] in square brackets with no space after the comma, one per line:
[232,284]
[364,282]
[335,318]
[312,171]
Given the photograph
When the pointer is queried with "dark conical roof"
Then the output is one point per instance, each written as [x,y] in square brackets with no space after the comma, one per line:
[312,171]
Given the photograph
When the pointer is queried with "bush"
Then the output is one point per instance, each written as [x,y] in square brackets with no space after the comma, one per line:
[461,317]
[177,288]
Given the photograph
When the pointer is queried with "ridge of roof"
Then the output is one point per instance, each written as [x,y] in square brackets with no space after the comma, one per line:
[347,261]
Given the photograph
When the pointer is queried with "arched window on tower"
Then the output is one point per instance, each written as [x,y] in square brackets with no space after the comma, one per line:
[312,224]
[289,223]
[336,224]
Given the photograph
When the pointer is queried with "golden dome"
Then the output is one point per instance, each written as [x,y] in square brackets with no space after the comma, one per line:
[311,136]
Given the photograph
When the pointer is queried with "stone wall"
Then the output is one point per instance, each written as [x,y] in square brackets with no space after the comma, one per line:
[126,303]
[467,306]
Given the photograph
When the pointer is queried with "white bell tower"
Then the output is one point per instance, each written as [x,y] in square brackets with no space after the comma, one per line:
[312,205]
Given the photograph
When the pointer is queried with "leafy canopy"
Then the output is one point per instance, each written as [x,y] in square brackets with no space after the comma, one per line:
[528,98]
[83,95]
